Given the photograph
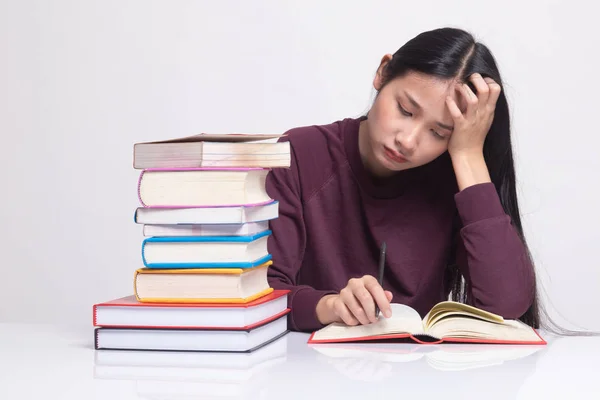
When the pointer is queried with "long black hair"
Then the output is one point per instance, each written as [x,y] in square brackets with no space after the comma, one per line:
[451,53]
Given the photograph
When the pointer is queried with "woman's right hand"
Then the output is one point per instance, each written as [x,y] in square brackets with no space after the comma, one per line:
[356,303]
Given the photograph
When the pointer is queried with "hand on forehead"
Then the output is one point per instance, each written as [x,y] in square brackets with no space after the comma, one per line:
[480,87]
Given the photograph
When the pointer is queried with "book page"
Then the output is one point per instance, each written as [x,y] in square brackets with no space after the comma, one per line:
[221,137]
[472,328]
[404,319]
[449,308]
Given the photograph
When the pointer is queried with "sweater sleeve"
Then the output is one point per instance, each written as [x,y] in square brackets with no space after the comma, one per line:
[286,245]
[491,255]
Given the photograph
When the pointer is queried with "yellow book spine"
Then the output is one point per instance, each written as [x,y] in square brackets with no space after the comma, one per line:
[207,300]
[236,271]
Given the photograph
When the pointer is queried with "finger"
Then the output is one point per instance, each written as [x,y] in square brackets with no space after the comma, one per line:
[378,295]
[483,90]
[389,295]
[495,90]
[366,301]
[354,306]
[470,98]
[342,311]
[455,112]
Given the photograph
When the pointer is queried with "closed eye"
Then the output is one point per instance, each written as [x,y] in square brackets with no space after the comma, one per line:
[437,135]
[403,111]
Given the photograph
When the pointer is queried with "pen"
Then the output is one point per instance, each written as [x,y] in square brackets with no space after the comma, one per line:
[381,266]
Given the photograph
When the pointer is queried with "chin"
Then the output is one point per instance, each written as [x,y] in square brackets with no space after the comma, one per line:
[390,165]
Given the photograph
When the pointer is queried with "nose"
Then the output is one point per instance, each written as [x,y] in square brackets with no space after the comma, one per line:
[407,140]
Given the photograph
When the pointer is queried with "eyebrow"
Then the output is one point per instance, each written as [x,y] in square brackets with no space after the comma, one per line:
[418,106]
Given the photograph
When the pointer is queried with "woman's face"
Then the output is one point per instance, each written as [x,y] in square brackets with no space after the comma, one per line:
[409,124]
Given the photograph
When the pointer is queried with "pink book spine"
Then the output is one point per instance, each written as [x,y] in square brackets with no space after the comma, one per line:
[197,169]
[204,169]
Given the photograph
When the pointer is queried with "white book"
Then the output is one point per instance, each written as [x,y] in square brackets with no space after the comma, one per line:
[249,228]
[207,215]
[209,340]
[213,150]
[203,187]
[129,312]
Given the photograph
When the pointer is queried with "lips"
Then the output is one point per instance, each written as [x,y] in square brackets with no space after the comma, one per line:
[394,156]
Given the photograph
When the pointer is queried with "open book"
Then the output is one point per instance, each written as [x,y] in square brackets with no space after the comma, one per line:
[447,321]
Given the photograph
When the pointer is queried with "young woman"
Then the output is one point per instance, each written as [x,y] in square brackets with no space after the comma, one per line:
[429,171]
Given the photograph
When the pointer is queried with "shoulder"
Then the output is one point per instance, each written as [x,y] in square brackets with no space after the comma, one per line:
[317,153]
[316,141]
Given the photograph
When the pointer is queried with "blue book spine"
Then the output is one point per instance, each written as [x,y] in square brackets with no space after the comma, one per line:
[243,265]
[206,239]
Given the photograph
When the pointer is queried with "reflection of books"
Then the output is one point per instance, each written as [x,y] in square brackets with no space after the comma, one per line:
[446,322]
[188,366]
[475,357]
[446,358]
[160,375]
[168,390]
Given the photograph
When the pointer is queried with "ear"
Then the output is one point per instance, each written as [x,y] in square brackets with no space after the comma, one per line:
[378,81]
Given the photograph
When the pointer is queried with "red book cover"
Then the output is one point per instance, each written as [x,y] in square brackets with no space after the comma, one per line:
[130,301]
[420,339]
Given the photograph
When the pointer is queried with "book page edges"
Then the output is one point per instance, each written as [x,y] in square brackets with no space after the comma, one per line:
[131,301]
[175,206]
[449,308]
[494,341]
[193,271]
[199,327]
[237,300]
[219,137]
[204,169]
[196,169]
[311,339]
[388,336]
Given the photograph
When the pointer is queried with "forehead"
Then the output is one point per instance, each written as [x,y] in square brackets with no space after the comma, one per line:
[426,85]
[429,91]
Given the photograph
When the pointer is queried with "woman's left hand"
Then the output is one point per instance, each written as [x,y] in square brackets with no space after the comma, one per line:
[471,128]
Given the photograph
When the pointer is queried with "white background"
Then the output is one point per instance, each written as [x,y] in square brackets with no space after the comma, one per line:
[82,81]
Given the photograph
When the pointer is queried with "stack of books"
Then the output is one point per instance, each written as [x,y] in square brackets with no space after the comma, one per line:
[205,213]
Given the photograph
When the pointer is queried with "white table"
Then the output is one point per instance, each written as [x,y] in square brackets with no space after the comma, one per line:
[53,362]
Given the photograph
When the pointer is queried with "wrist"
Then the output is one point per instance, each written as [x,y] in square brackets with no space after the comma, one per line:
[324,309]
[466,154]
[470,168]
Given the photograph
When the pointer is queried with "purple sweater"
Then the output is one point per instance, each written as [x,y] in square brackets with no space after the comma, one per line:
[333,217]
